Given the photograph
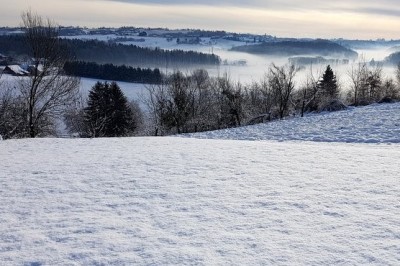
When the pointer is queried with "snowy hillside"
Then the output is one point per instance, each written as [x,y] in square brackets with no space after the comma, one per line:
[377,123]
[182,201]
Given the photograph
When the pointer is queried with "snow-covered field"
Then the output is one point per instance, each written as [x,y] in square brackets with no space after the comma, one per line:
[377,123]
[187,201]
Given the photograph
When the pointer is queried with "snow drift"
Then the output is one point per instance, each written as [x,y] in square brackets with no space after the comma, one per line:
[376,123]
[163,201]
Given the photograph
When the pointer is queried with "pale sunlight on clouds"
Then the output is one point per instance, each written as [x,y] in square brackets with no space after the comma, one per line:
[314,18]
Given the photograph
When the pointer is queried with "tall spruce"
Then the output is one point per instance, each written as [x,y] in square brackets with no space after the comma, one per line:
[108,113]
[327,85]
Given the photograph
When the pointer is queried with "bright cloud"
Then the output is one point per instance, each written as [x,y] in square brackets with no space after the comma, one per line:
[312,18]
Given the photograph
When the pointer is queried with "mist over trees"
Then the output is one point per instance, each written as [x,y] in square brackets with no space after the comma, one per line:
[393,58]
[367,85]
[119,54]
[297,47]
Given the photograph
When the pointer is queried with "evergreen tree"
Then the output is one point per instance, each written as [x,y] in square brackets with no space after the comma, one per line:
[328,85]
[108,113]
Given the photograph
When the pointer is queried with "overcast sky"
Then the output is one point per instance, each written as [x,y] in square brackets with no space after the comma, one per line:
[363,19]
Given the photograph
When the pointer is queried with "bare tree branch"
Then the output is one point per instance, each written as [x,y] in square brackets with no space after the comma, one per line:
[47,91]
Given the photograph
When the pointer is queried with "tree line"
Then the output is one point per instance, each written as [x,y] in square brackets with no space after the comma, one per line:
[102,52]
[198,102]
[181,103]
[113,72]
[120,54]
[195,102]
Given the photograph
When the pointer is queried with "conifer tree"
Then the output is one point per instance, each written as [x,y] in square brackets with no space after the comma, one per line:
[328,85]
[108,113]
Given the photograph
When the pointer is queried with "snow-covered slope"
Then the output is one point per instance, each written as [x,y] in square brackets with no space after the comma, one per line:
[185,201]
[377,123]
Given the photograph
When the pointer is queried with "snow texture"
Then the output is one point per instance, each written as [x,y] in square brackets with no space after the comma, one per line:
[183,201]
[377,123]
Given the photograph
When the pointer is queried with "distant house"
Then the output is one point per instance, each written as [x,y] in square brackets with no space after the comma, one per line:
[15,70]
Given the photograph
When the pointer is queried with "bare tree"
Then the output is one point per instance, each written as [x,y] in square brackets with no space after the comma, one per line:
[389,90]
[366,83]
[374,83]
[307,96]
[47,91]
[74,119]
[259,100]
[281,80]
[204,110]
[155,99]
[357,74]
[398,75]
[13,113]
[230,102]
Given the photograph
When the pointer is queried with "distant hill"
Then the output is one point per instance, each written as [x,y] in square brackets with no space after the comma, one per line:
[299,47]
[367,44]
[393,58]
[395,49]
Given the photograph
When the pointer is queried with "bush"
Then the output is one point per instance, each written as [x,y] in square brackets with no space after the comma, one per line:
[333,106]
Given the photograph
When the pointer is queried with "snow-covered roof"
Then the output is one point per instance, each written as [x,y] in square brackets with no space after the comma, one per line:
[17,70]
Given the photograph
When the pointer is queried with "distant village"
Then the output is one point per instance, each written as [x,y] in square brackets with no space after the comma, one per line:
[19,65]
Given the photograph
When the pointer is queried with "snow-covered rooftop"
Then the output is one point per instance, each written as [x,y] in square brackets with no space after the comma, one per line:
[17,70]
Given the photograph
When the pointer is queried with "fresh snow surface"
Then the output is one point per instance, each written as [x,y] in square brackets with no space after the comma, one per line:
[180,201]
[191,201]
[377,123]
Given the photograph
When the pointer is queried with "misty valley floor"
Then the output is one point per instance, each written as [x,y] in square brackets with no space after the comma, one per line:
[159,201]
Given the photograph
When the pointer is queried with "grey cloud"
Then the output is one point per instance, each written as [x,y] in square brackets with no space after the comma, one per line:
[394,12]
[191,2]
[383,7]
[272,4]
